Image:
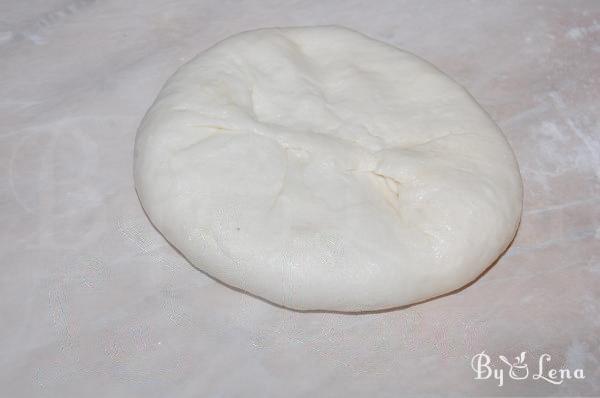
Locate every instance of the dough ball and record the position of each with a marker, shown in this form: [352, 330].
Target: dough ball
[323, 170]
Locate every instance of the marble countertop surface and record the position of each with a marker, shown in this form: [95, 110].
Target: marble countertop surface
[95, 303]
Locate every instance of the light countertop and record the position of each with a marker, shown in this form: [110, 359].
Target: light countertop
[94, 302]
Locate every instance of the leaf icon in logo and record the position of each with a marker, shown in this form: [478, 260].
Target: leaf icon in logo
[517, 370]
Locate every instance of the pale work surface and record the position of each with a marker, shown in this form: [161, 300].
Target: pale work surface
[94, 302]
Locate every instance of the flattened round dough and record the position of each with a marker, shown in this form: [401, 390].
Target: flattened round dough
[321, 169]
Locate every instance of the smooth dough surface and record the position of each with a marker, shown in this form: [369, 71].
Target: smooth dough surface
[321, 169]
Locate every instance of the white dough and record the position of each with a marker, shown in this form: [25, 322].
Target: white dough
[321, 169]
